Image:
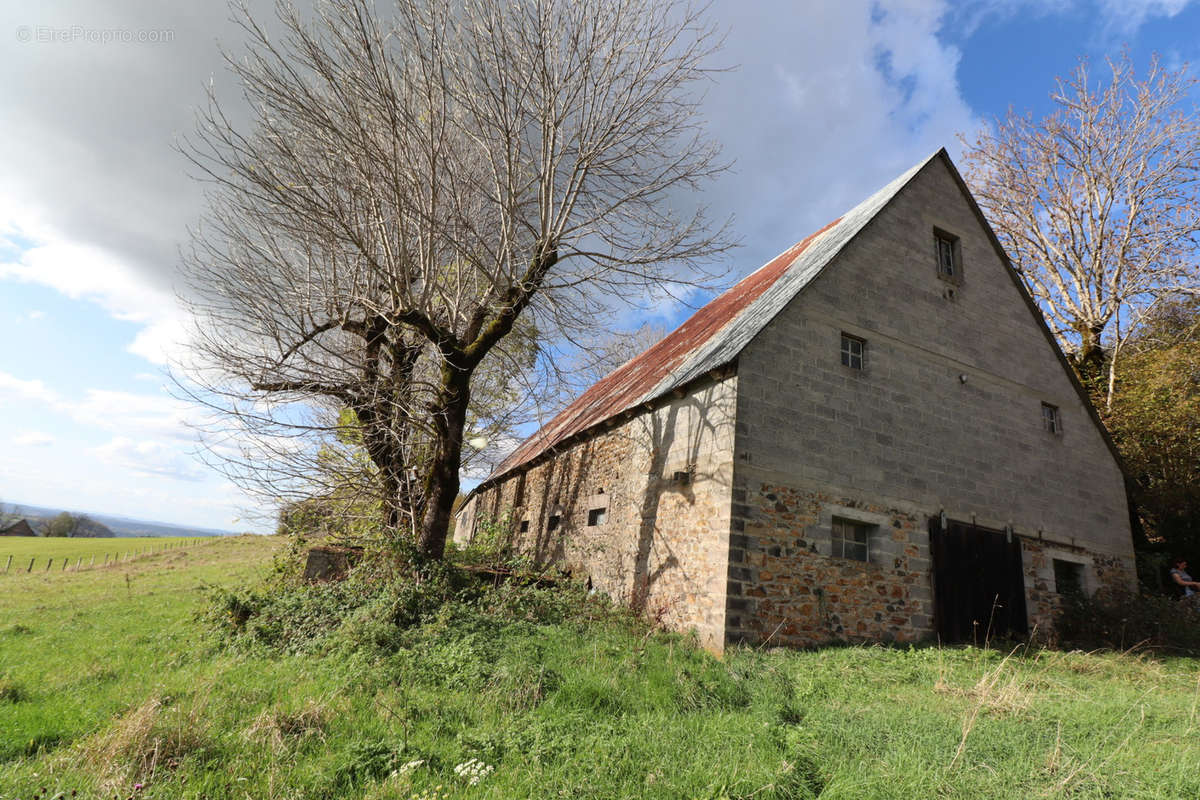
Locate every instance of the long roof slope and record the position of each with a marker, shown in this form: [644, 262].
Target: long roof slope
[713, 336]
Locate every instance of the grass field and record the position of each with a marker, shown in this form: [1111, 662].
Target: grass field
[107, 683]
[40, 548]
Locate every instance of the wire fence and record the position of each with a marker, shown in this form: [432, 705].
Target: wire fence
[17, 565]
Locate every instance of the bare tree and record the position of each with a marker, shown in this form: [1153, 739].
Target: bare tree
[609, 350]
[422, 198]
[1097, 203]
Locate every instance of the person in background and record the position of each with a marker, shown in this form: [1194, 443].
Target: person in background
[1179, 574]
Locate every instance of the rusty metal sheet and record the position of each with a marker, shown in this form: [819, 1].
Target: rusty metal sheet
[713, 336]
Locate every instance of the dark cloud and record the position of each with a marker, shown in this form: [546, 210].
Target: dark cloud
[827, 102]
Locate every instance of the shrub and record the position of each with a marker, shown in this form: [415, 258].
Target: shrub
[1120, 621]
[390, 594]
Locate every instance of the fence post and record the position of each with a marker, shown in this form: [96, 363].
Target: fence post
[9, 564]
[30, 567]
[64, 566]
[93, 560]
[48, 563]
[78, 561]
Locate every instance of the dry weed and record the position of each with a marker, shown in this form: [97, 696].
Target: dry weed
[998, 691]
[278, 728]
[152, 738]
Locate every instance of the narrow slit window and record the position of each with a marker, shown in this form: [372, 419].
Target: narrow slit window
[854, 351]
[948, 251]
[1051, 420]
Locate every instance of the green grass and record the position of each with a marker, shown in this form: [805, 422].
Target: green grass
[106, 680]
[40, 548]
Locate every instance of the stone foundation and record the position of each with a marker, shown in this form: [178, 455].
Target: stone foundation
[786, 588]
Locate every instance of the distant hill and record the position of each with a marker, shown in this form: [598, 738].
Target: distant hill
[110, 525]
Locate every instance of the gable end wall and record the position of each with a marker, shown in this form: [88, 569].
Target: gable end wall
[946, 415]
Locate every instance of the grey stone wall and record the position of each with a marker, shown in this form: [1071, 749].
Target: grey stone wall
[946, 414]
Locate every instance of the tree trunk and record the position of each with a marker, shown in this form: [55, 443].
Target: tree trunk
[441, 485]
[1089, 359]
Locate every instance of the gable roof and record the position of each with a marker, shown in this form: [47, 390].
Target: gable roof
[18, 528]
[713, 336]
[719, 331]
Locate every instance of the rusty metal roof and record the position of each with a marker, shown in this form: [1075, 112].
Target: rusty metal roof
[710, 338]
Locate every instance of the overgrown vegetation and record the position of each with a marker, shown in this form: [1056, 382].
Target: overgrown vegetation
[1126, 621]
[395, 598]
[522, 690]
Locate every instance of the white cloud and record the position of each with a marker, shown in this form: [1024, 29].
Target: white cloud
[1126, 16]
[33, 439]
[85, 272]
[32, 389]
[146, 415]
[149, 457]
[35, 314]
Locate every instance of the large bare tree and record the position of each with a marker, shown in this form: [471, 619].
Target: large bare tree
[426, 192]
[1097, 203]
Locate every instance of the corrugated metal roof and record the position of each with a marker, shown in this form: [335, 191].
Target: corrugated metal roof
[713, 336]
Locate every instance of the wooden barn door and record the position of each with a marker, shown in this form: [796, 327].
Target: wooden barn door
[978, 583]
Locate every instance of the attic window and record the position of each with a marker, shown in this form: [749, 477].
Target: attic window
[854, 351]
[1051, 420]
[949, 255]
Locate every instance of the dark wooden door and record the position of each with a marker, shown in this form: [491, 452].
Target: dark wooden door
[978, 583]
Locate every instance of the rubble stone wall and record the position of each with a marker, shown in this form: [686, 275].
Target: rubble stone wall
[656, 488]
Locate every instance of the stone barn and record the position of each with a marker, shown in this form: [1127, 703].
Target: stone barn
[874, 436]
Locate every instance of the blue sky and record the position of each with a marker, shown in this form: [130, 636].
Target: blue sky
[829, 101]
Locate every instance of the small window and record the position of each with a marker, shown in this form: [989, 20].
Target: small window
[1068, 577]
[552, 523]
[524, 527]
[597, 516]
[949, 256]
[1051, 420]
[851, 539]
[854, 351]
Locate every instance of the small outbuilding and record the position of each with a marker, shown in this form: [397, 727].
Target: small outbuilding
[20, 528]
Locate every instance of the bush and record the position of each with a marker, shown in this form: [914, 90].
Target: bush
[1121, 621]
[389, 599]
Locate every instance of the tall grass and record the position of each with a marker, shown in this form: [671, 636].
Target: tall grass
[113, 685]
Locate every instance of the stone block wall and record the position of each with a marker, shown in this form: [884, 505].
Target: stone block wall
[1043, 598]
[662, 478]
[947, 411]
[786, 588]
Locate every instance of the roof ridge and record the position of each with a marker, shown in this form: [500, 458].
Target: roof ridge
[713, 335]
